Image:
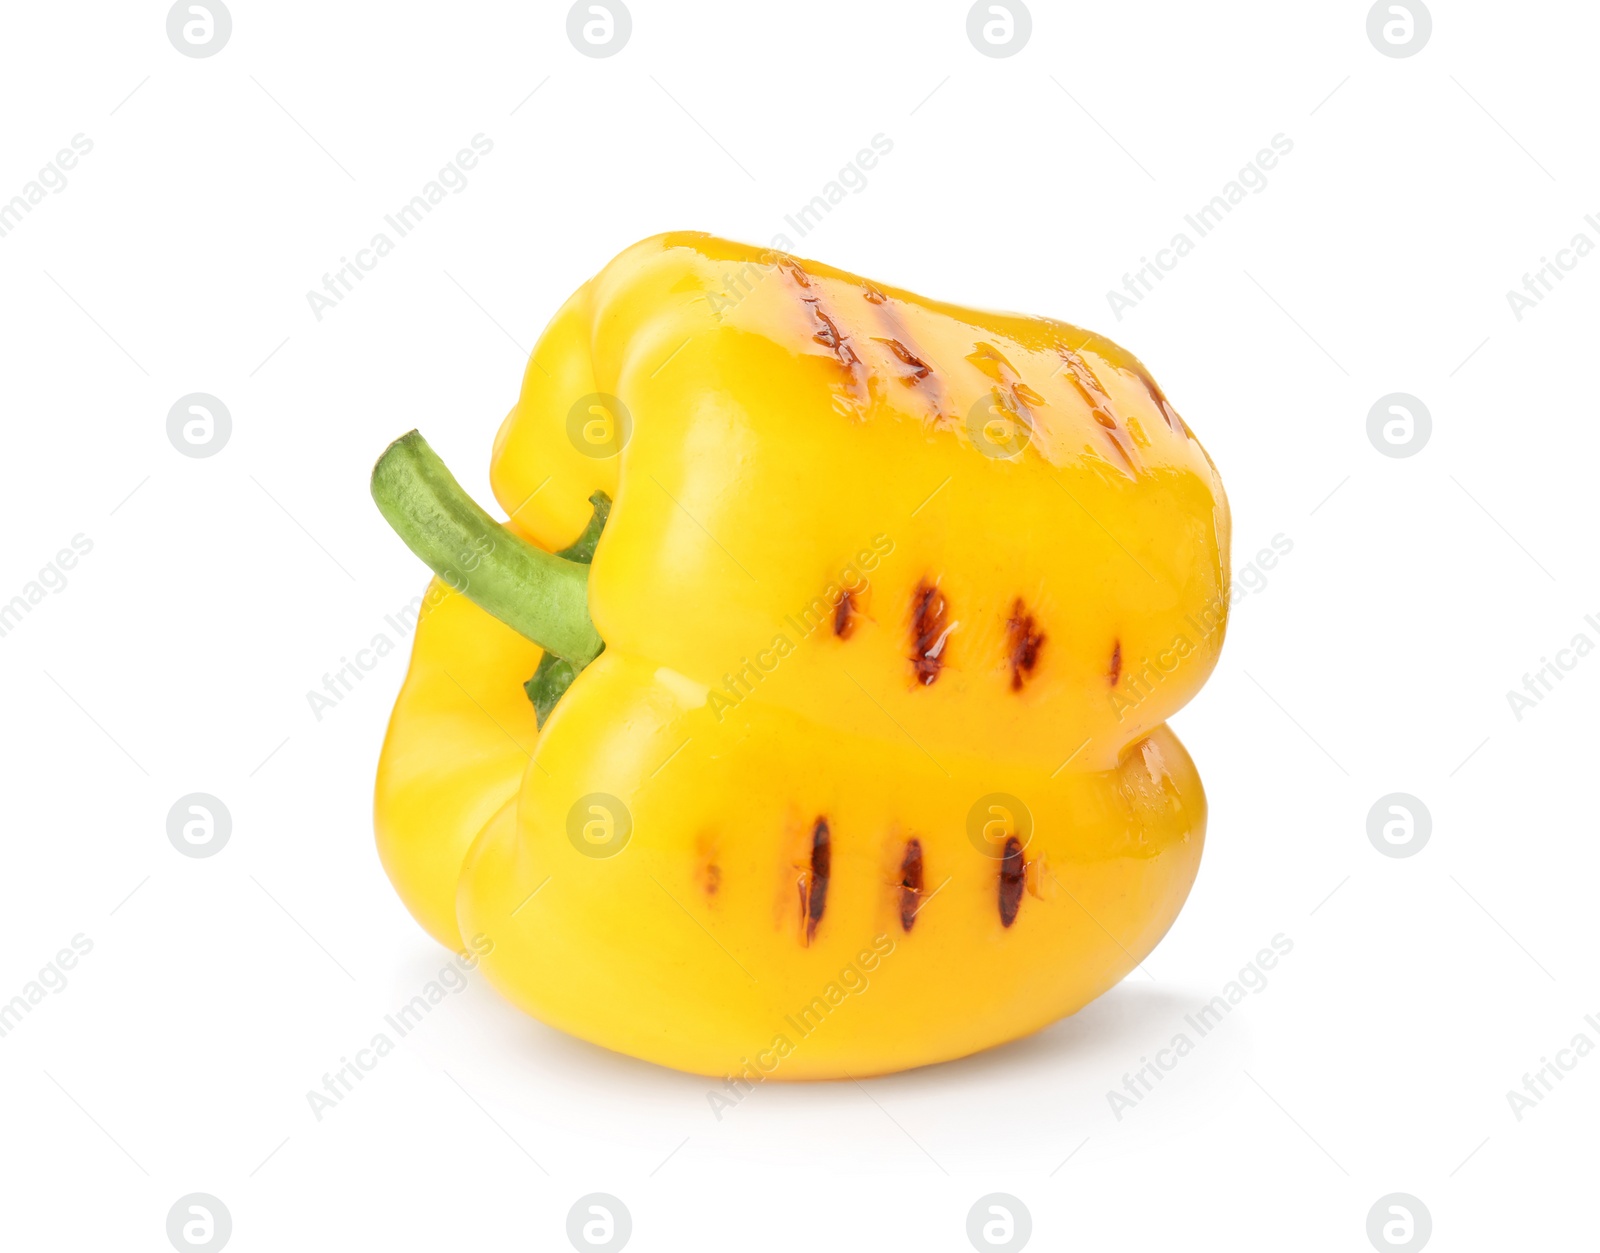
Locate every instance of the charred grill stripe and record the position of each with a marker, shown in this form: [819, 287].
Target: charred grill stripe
[1008, 405]
[1013, 876]
[829, 336]
[924, 379]
[825, 331]
[929, 610]
[844, 615]
[1162, 403]
[1013, 396]
[1116, 443]
[1116, 662]
[910, 883]
[919, 367]
[1025, 640]
[1088, 388]
[995, 365]
[992, 362]
[828, 333]
[816, 884]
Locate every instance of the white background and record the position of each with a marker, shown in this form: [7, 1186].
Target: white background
[1376, 659]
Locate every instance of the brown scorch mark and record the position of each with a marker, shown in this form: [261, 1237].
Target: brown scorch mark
[929, 610]
[919, 368]
[1013, 397]
[828, 335]
[844, 615]
[992, 362]
[814, 883]
[1026, 394]
[1162, 403]
[826, 332]
[1083, 379]
[910, 883]
[909, 364]
[1116, 662]
[1088, 387]
[1023, 642]
[1013, 877]
[712, 879]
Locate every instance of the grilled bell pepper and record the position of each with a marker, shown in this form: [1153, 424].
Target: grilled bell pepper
[864, 764]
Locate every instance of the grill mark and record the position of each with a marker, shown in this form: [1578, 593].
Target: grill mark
[814, 883]
[707, 870]
[827, 333]
[1024, 641]
[873, 295]
[910, 884]
[1116, 662]
[791, 267]
[1013, 876]
[1013, 395]
[921, 377]
[1088, 387]
[1006, 402]
[929, 631]
[1027, 395]
[992, 362]
[844, 615]
[1122, 452]
[919, 368]
[1160, 398]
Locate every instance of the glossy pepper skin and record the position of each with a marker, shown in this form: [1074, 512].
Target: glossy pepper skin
[896, 599]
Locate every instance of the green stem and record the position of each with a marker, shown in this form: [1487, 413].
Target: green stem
[540, 595]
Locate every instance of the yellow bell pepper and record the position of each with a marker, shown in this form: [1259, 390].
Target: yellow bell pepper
[894, 601]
